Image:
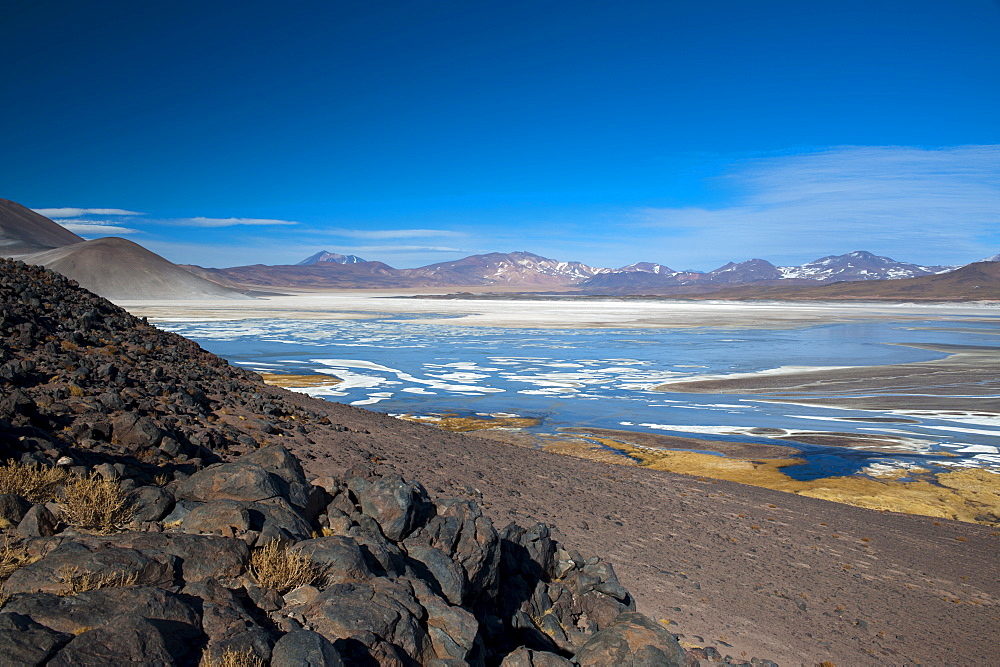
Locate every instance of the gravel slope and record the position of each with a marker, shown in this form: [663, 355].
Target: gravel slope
[794, 579]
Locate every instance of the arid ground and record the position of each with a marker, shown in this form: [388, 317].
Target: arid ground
[750, 570]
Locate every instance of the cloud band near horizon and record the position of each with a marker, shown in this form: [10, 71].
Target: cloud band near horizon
[938, 204]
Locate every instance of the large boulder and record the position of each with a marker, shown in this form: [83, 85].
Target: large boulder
[135, 432]
[222, 517]
[340, 558]
[453, 631]
[92, 609]
[385, 609]
[25, 642]
[73, 566]
[128, 639]
[230, 481]
[396, 505]
[151, 503]
[305, 648]
[434, 566]
[12, 509]
[199, 556]
[633, 639]
[525, 657]
[281, 463]
[462, 533]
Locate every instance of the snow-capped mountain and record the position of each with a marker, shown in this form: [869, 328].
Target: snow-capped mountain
[749, 271]
[858, 265]
[648, 267]
[509, 268]
[324, 256]
[854, 266]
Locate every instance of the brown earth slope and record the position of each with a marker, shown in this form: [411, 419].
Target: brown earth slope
[117, 268]
[23, 231]
[795, 579]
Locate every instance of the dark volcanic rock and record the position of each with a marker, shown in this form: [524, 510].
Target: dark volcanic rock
[12, 508]
[525, 657]
[305, 647]
[151, 503]
[386, 609]
[223, 517]
[229, 481]
[91, 609]
[25, 642]
[76, 564]
[133, 431]
[126, 639]
[340, 557]
[396, 505]
[632, 640]
[199, 557]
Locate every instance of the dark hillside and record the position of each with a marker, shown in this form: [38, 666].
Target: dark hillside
[151, 514]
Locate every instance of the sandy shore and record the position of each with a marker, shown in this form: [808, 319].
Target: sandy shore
[553, 314]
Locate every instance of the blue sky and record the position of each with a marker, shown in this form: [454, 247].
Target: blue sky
[688, 132]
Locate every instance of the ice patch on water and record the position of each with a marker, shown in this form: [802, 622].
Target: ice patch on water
[956, 429]
[979, 449]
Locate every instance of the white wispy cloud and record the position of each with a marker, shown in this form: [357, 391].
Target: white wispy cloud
[921, 204]
[68, 212]
[376, 234]
[87, 228]
[230, 222]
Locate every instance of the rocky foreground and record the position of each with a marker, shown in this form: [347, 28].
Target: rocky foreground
[150, 515]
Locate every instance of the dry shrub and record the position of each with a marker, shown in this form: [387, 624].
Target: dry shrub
[37, 483]
[231, 658]
[97, 504]
[12, 558]
[91, 581]
[274, 566]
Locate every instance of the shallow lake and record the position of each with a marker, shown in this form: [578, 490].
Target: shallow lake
[403, 364]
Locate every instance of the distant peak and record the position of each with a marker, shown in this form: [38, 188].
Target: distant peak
[332, 257]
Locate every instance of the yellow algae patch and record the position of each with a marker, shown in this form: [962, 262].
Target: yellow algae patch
[292, 381]
[606, 451]
[452, 422]
[971, 495]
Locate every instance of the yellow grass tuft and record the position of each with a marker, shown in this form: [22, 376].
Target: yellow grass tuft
[274, 566]
[36, 483]
[231, 658]
[96, 504]
[12, 558]
[91, 581]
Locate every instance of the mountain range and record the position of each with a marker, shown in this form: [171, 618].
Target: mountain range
[530, 272]
[120, 269]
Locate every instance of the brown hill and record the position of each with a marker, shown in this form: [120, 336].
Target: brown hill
[117, 268]
[23, 231]
[975, 282]
[322, 275]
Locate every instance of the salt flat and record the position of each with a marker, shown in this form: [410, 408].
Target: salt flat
[535, 313]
